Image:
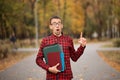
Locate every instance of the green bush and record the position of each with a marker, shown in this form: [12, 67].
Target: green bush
[117, 42]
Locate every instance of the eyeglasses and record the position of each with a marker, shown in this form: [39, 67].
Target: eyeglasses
[55, 24]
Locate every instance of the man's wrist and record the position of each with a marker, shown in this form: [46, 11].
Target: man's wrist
[83, 46]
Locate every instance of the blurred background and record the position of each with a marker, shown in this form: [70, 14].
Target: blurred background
[24, 22]
[96, 18]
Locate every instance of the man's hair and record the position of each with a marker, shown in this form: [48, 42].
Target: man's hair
[54, 17]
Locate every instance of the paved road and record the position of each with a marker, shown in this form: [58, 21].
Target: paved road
[89, 67]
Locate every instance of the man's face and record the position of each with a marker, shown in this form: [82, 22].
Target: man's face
[56, 26]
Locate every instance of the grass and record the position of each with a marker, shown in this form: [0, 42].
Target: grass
[112, 58]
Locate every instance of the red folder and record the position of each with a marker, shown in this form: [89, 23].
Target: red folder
[53, 59]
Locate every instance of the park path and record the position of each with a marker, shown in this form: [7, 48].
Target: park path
[89, 67]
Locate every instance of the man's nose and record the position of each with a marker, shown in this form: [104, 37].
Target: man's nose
[57, 25]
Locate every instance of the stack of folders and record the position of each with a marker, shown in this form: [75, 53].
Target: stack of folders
[54, 54]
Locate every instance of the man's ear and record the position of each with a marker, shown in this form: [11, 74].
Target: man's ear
[62, 26]
[50, 27]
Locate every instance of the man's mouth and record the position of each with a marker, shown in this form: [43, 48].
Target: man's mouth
[57, 29]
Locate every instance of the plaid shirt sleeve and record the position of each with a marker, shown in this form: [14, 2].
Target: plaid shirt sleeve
[39, 59]
[75, 54]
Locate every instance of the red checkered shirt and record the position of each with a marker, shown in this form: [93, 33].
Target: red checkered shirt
[69, 52]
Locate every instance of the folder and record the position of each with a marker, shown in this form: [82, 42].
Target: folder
[54, 54]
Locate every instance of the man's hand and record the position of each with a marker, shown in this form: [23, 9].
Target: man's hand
[82, 40]
[54, 69]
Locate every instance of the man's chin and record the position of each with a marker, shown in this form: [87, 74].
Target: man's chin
[57, 34]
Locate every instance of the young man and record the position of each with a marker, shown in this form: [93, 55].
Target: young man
[68, 48]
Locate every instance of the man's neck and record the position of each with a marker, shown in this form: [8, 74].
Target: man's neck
[58, 35]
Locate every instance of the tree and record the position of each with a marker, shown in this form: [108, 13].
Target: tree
[9, 17]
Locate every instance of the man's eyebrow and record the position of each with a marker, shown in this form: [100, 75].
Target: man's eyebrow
[57, 22]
